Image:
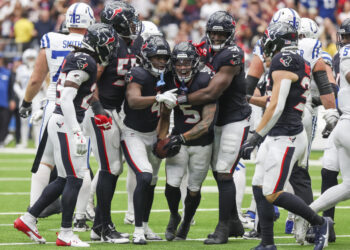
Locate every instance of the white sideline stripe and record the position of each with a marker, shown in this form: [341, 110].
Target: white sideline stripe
[5, 225]
[198, 239]
[160, 211]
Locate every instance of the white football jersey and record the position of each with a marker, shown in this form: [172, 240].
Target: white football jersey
[344, 91]
[23, 74]
[57, 47]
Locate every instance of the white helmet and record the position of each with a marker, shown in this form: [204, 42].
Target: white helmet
[149, 29]
[79, 15]
[287, 15]
[309, 28]
[29, 56]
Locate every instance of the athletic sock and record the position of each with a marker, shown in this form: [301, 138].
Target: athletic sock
[69, 200]
[173, 196]
[130, 187]
[297, 206]
[148, 203]
[266, 212]
[105, 190]
[329, 179]
[143, 182]
[191, 205]
[39, 181]
[83, 196]
[49, 195]
[239, 179]
[227, 204]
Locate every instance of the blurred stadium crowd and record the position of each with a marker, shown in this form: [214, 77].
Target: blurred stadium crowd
[24, 22]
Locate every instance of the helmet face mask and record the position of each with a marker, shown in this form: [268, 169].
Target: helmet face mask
[123, 17]
[343, 34]
[79, 15]
[220, 25]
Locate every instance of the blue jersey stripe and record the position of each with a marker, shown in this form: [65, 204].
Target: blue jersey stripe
[315, 49]
[42, 43]
[48, 41]
[74, 11]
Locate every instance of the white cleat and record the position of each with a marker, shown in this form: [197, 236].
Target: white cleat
[29, 228]
[71, 240]
[139, 239]
[247, 222]
[129, 219]
[300, 229]
[150, 235]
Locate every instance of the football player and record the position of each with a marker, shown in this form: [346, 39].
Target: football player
[223, 56]
[75, 87]
[141, 109]
[194, 131]
[54, 48]
[148, 29]
[103, 121]
[286, 142]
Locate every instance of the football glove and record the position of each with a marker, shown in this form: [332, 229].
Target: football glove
[36, 117]
[168, 98]
[174, 145]
[199, 49]
[102, 119]
[249, 145]
[26, 109]
[80, 143]
[331, 116]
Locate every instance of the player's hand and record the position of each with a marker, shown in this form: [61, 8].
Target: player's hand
[80, 143]
[168, 98]
[26, 109]
[36, 117]
[248, 147]
[174, 145]
[103, 122]
[331, 116]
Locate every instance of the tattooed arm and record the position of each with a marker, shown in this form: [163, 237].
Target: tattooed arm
[202, 127]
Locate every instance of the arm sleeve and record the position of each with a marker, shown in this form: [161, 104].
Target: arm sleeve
[322, 82]
[67, 96]
[281, 102]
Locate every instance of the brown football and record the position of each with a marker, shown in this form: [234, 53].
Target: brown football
[160, 151]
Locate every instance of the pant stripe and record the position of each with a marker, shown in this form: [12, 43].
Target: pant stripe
[128, 158]
[101, 146]
[244, 137]
[65, 154]
[287, 158]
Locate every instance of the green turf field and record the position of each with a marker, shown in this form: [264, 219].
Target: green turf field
[14, 199]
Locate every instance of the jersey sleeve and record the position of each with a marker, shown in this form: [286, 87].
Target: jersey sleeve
[135, 75]
[310, 50]
[327, 58]
[46, 40]
[232, 56]
[284, 61]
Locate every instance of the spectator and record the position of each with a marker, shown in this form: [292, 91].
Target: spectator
[24, 30]
[7, 104]
[44, 25]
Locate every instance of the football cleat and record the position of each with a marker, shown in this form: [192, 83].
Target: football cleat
[129, 219]
[150, 235]
[71, 240]
[300, 228]
[139, 239]
[332, 236]
[182, 232]
[267, 247]
[289, 226]
[249, 214]
[30, 229]
[252, 235]
[95, 233]
[235, 228]
[80, 225]
[310, 235]
[110, 235]
[90, 211]
[172, 226]
[321, 234]
[246, 222]
[220, 236]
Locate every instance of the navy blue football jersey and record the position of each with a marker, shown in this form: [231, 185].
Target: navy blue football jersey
[233, 105]
[111, 85]
[186, 116]
[84, 62]
[290, 122]
[143, 120]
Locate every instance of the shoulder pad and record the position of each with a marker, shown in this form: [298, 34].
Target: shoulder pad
[285, 61]
[232, 55]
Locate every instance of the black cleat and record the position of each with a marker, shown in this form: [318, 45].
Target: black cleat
[267, 247]
[332, 236]
[172, 226]
[310, 235]
[236, 228]
[251, 235]
[96, 233]
[182, 232]
[53, 208]
[110, 235]
[80, 225]
[220, 236]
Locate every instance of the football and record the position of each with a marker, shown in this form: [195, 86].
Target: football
[159, 150]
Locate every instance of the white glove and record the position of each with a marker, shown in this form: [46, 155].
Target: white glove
[331, 116]
[80, 143]
[36, 117]
[168, 98]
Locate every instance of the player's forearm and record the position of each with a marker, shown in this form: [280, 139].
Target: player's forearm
[141, 102]
[203, 126]
[258, 101]
[328, 101]
[32, 90]
[164, 123]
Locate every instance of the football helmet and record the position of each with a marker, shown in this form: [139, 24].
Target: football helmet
[123, 17]
[29, 56]
[79, 15]
[185, 61]
[221, 21]
[278, 36]
[155, 46]
[344, 29]
[63, 28]
[287, 15]
[100, 39]
[149, 29]
[308, 28]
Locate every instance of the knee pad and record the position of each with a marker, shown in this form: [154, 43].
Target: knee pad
[144, 178]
